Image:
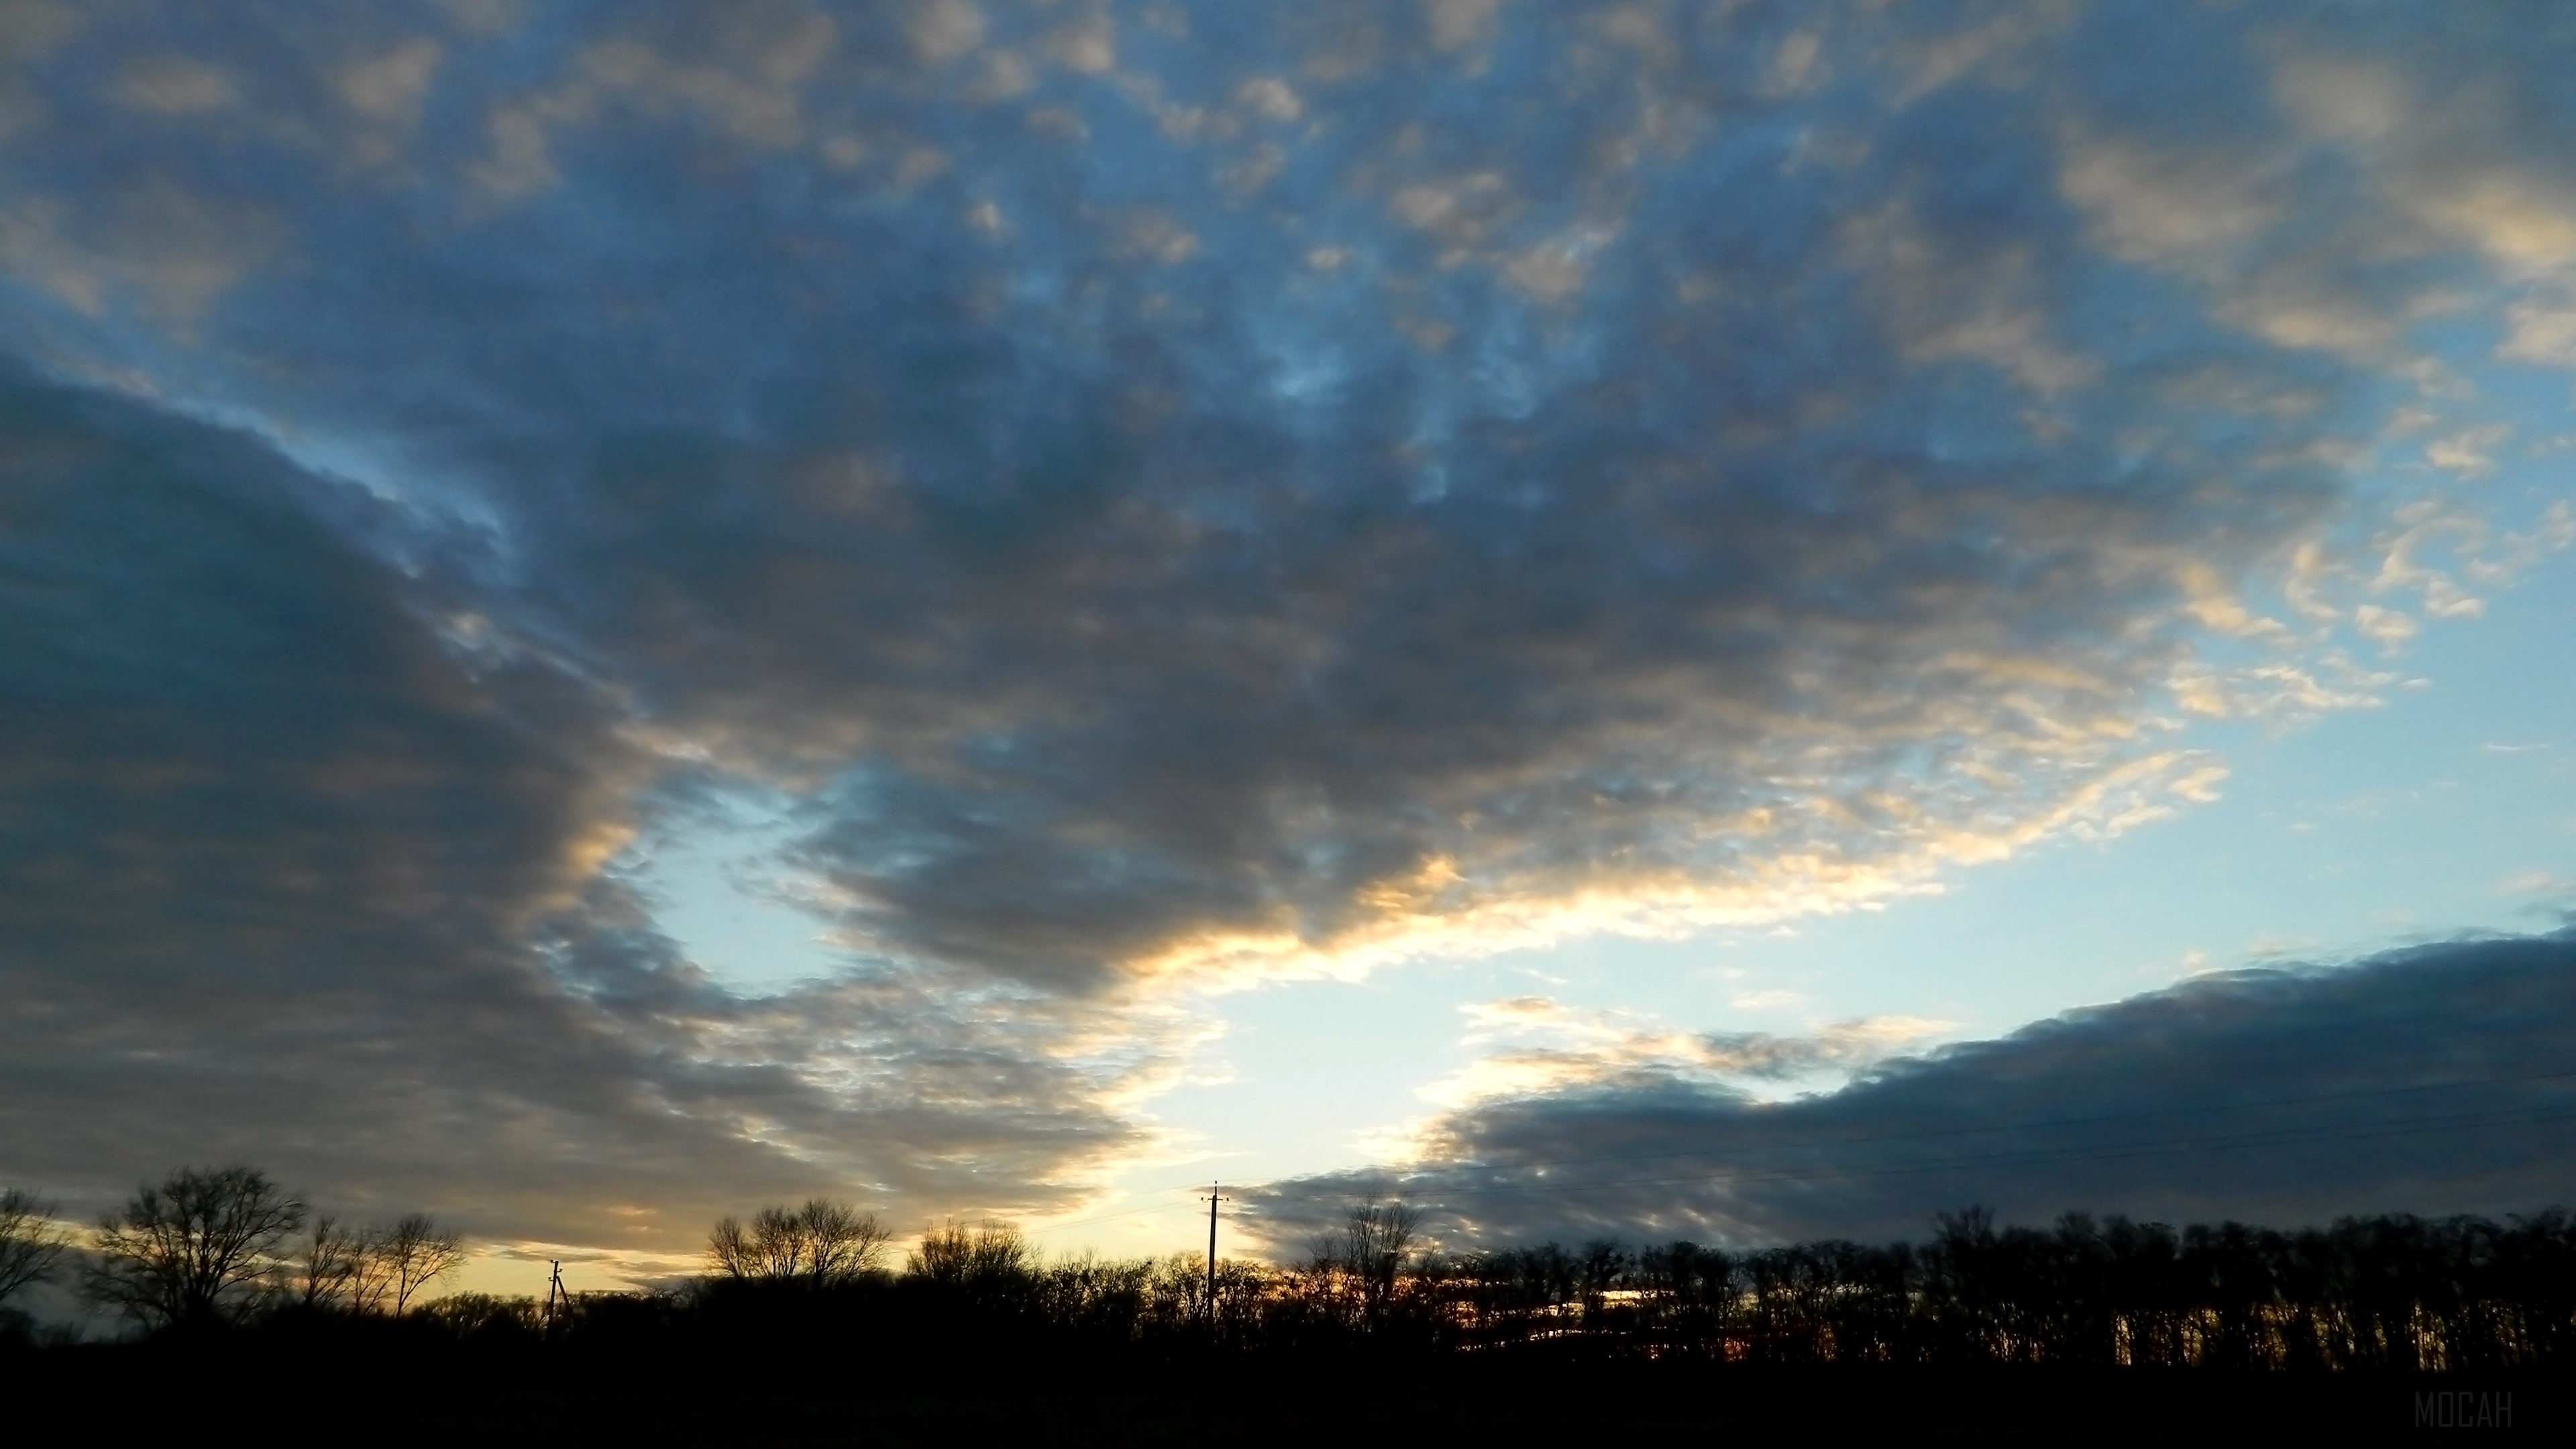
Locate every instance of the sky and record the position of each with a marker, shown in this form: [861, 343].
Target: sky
[1716, 620]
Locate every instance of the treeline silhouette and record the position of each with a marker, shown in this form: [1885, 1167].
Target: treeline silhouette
[806, 1319]
[207, 1249]
[227, 1248]
[2390, 1293]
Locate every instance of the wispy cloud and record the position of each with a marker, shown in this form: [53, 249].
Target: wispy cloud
[1533, 1045]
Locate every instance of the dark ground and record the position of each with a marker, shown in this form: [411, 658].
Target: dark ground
[123, 1397]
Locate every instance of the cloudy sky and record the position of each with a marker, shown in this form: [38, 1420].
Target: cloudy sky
[1704, 619]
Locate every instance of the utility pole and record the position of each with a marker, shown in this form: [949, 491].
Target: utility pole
[1213, 1199]
[556, 1293]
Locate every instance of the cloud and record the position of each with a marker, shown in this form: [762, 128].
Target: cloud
[1548, 1047]
[176, 86]
[2433, 1080]
[1168, 506]
[287, 876]
[1121, 614]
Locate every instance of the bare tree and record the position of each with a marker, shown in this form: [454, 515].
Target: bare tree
[30, 1241]
[195, 1249]
[821, 1242]
[778, 1243]
[1376, 1240]
[991, 1251]
[371, 1272]
[842, 1241]
[1319, 1277]
[413, 1251]
[730, 1251]
[326, 1272]
[773, 1246]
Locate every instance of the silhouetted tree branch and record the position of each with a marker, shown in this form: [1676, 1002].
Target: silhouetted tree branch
[327, 1268]
[822, 1242]
[1376, 1241]
[193, 1250]
[842, 1241]
[990, 1252]
[414, 1251]
[30, 1242]
[371, 1272]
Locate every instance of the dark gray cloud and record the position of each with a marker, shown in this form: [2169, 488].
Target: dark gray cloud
[2435, 1079]
[1171, 488]
[1139, 557]
[1168, 493]
[286, 876]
